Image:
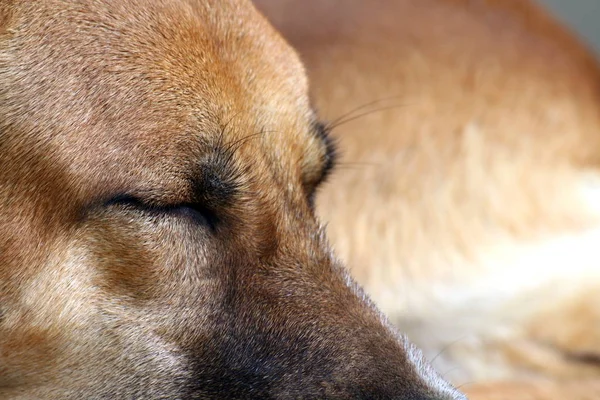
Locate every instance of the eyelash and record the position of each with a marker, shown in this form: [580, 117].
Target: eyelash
[311, 198]
[331, 152]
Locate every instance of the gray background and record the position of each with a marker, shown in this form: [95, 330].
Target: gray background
[582, 15]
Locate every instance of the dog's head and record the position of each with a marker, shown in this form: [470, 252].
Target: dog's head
[157, 239]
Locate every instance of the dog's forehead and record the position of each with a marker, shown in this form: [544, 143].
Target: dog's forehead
[191, 52]
[147, 79]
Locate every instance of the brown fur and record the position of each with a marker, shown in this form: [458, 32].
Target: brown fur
[157, 161]
[466, 198]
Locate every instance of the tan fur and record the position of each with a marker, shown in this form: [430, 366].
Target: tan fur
[157, 238]
[466, 201]
[557, 390]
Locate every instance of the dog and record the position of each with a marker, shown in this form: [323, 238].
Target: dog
[158, 237]
[467, 202]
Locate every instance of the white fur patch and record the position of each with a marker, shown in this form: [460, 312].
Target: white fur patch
[455, 323]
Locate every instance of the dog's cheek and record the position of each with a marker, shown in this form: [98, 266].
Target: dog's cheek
[69, 330]
[123, 262]
[142, 258]
[150, 292]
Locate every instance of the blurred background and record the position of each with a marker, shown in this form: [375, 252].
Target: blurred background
[582, 15]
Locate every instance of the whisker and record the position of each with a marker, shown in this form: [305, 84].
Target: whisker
[446, 347]
[334, 125]
[358, 164]
[351, 167]
[362, 107]
[224, 129]
[450, 370]
[236, 144]
[465, 384]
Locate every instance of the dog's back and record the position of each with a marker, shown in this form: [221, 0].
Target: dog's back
[468, 198]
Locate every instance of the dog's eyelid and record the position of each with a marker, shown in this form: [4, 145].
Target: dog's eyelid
[142, 198]
[195, 211]
[123, 199]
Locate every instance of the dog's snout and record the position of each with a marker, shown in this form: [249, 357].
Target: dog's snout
[312, 338]
[400, 371]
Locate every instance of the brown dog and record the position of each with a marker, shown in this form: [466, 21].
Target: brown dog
[157, 239]
[471, 212]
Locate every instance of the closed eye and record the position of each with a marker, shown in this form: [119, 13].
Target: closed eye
[194, 212]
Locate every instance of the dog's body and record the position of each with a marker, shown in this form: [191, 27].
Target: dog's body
[471, 213]
[157, 239]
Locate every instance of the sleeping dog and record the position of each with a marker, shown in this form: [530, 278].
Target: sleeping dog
[158, 239]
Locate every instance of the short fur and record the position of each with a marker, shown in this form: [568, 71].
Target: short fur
[156, 236]
[467, 202]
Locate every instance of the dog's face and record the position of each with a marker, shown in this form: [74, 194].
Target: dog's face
[157, 240]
